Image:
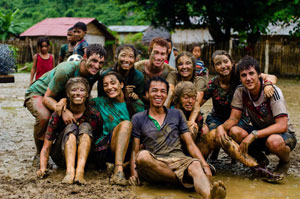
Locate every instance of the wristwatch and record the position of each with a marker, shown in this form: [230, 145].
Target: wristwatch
[255, 133]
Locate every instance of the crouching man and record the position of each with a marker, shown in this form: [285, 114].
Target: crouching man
[270, 131]
[73, 139]
[160, 131]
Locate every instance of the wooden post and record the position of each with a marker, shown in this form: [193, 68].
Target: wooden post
[31, 48]
[267, 57]
[230, 47]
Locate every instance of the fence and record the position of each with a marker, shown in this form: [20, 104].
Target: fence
[284, 58]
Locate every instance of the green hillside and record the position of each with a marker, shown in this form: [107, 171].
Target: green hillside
[106, 11]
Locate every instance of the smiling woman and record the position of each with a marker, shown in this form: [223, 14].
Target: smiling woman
[133, 79]
[116, 109]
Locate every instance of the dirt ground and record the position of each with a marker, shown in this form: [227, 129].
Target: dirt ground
[17, 175]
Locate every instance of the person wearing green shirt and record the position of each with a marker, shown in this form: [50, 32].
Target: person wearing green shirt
[47, 93]
[116, 109]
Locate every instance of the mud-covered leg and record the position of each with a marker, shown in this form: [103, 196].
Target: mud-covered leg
[119, 145]
[82, 155]
[70, 155]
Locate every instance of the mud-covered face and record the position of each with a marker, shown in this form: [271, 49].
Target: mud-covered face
[112, 87]
[44, 48]
[250, 79]
[185, 67]
[94, 63]
[79, 34]
[187, 101]
[157, 57]
[223, 65]
[126, 59]
[77, 93]
[157, 93]
[197, 52]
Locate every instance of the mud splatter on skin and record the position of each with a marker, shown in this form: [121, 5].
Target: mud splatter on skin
[18, 178]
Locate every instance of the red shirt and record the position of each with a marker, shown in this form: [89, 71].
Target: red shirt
[43, 65]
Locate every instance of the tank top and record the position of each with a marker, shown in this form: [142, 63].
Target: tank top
[43, 65]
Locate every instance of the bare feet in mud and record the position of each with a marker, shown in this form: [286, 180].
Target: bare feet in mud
[218, 191]
[282, 168]
[69, 178]
[79, 178]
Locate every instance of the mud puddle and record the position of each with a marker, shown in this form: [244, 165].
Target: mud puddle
[237, 188]
[18, 179]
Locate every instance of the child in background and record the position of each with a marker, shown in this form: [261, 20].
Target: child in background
[42, 61]
[79, 33]
[66, 50]
[200, 69]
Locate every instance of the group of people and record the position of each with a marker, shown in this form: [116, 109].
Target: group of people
[148, 113]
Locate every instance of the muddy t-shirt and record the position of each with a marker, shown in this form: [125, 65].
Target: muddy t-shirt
[57, 78]
[141, 67]
[221, 98]
[264, 110]
[198, 81]
[113, 112]
[163, 142]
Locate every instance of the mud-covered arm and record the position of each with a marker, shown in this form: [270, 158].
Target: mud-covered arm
[44, 157]
[196, 109]
[269, 80]
[170, 96]
[134, 179]
[33, 69]
[52, 104]
[195, 152]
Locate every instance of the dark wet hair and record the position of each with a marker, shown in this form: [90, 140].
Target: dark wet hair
[246, 63]
[156, 79]
[221, 52]
[41, 40]
[118, 76]
[128, 100]
[80, 25]
[159, 41]
[71, 29]
[124, 46]
[95, 48]
[194, 46]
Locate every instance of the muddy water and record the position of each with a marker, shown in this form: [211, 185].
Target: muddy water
[18, 180]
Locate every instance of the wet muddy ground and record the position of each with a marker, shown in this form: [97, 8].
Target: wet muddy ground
[18, 179]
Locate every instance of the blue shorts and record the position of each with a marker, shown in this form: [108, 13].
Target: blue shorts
[213, 121]
[260, 144]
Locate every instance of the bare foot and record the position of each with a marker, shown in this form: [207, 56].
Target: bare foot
[79, 178]
[69, 178]
[218, 190]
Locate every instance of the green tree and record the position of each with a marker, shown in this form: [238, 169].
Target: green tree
[246, 17]
[8, 25]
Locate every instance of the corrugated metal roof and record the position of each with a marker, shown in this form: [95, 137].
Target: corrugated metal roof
[280, 29]
[54, 26]
[128, 28]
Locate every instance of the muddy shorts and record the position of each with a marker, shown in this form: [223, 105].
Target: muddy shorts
[213, 121]
[260, 144]
[102, 153]
[178, 165]
[33, 102]
[58, 148]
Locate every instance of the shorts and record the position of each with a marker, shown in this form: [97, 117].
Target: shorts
[260, 144]
[178, 165]
[213, 121]
[57, 152]
[102, 152]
